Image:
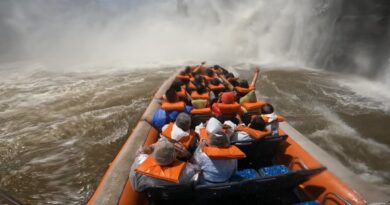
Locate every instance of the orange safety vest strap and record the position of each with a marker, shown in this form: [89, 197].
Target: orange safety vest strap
[207, 78]
[253, 105]
[229, 108]
[231, 152]
[201, 111]
[257, 134]
[203, 134]
[216, 87]
[183, 77]
[168, 173]
[196, 95]
[182, 92]
[186, 141]
[244, 90]
[192, 86]
[173, 106]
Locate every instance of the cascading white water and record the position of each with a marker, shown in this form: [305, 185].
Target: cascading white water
[51, 120]
[140, 32]
[328, 34]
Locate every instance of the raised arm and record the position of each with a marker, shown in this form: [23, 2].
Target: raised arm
[230, 86]
[254, 80]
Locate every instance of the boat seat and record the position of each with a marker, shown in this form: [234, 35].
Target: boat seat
[252, 186]
[281, 181]
[169, 192]
[197, 119]
[259, 152]
[218, 190]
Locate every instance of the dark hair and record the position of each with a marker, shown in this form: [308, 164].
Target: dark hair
[200, 88]
[257, 123]
[244, 84]
[215, 82]
[176, 85]
[187, 70]
[171, 95]
[198, 78]
[229, 75]
[209, 72]
[267, 109]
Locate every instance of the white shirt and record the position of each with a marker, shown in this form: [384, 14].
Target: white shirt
[214, 170]
[177, 133]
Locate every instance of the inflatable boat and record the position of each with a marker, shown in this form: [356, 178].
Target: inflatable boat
[292, 170]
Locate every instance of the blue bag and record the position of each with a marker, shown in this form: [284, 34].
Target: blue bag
[273, 170]
[246, 173]
[159, 118]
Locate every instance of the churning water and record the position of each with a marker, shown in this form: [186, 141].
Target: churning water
[76, 76]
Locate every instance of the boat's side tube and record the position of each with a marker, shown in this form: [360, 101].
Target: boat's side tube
[113, 182]
[300, 147]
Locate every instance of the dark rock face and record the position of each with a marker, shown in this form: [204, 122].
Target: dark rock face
[360, 38]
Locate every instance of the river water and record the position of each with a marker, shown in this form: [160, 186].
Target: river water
[60, 130]
[75, 76]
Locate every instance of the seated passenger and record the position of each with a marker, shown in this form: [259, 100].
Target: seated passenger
[271, 119]
[232, 80]
[243, 88]
[200, 92]
[255, 130]
[226, 107]
[172, 102]
[209, 75]
[179, 131]
[217, 158]
[180, 89]
[160, 168]
[196, 82]
[171, 95]
[219, 70]
[216, 86]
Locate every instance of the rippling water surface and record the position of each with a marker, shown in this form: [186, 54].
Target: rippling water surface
[59, 131]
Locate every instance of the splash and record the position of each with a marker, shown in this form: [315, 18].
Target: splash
[128, 33]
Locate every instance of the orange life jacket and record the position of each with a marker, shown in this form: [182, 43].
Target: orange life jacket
[192, 86]
[195, 95]
[173, 106]
[201, 111]
[231, 152]
[257, 134]
[216, 87]
[242, 90]
[182, 77]
[253, 105]
[186, 141]
[169, 173]
[234, 108]
[182, 92]
[203, 134]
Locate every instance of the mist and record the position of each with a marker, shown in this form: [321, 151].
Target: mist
[344, 36]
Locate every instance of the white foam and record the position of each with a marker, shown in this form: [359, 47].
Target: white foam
[377, 94]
